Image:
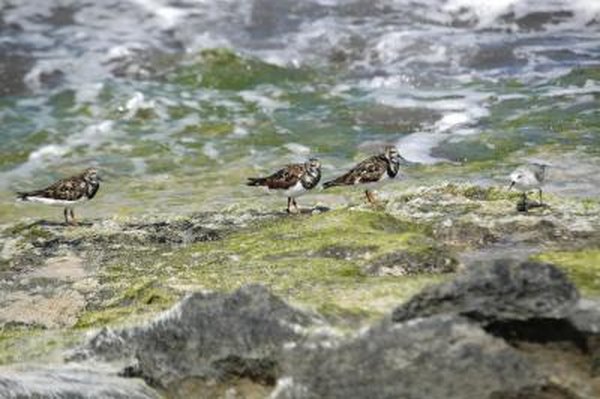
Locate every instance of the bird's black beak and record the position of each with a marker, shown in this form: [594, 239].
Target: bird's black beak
[512, 183]
[99, 178]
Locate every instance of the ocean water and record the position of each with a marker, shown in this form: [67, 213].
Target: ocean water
[178, 101]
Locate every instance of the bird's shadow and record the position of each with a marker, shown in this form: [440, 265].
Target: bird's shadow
[525, 206]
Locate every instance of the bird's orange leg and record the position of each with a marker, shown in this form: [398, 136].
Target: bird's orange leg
[73, 220]
[370, 197]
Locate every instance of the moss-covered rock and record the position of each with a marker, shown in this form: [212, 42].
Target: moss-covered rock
[352, 264]
[132, 268]
[225, 70]
[582, 266]
[468, 216]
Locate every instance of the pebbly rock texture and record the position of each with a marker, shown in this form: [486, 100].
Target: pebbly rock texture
[26, 245]
[503, 291]
[472, 216]
[438, 357]
[520, 302]
[503, 330]
[585, 318]
[208, 336]
[56, 276]
[507, 330]
[69, 383]
[404, 263]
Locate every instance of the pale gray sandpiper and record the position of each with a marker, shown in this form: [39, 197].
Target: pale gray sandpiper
[371, 172]
[68, 193]
[292, 181]
[527, 178]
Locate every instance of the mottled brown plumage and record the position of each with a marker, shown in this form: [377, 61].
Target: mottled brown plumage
[291, 181]
[282, 179]
[66, 192]
[372, 170]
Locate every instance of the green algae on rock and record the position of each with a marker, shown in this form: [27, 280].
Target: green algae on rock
[582, 266]
[140, 267]
[351, 264]
[466, 215]
[225, 70]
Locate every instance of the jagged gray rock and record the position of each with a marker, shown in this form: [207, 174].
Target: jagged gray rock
[586, 320]
[443, 357]
[502, 291]
[69, 383]
[457, 340]
[211, 336]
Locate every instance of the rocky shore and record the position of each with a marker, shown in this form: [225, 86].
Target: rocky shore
[446, 292]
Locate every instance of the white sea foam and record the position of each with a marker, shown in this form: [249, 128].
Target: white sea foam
[416, 147]
[446, 56]
[48, 152]
[210, 150]
[265, 101]
[486, 12]
[51, 154]
[91, 137]
[240, 131]
[136, 103]
[167, 16]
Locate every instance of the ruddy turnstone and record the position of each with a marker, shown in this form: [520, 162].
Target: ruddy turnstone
[292, 181]
[528, 177]
[67, 193]
[371, 172]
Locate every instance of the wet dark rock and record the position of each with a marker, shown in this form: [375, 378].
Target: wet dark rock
[505, 330]
[538, 20]
[523, 303]
[494, 56]
[586, 319]
[504, 291]
[390, 119]
[62, 16]
[268, 18]
[439, 357]
[210, 336]
[51, 78]
[14, 66]
[69, 383]
[403, 263]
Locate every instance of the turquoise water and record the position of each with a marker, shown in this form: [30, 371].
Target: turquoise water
[177, 102]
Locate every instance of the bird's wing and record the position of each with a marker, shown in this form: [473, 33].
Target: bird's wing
[368, 171]
[285, 178]
[69, 189]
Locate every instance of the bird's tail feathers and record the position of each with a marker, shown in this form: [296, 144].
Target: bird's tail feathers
[331, 183]
[22, 196]
[255, 181]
